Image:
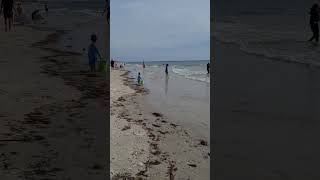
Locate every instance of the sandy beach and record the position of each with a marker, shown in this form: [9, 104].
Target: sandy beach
[53, 113]
[146, 144]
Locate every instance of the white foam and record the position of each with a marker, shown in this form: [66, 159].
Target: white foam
[270, 40]
[199, 75]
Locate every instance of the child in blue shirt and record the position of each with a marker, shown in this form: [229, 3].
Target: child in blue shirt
[92, 53]
[139, 78]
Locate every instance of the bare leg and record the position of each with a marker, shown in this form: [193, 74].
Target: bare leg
[10, 21]
[5, 24]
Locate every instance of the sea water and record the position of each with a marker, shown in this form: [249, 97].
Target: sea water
[183, 95]
[277, 30]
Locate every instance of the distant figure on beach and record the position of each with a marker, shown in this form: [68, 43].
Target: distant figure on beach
[167, 68]
[208, 68]
[36, 15]
[112, 63]
[139, 78]
[92, 53]
[46, 7]
[106, 11]
[143, 65]
[19, 10]
[7, 7]
[314, 19]
[19, 16]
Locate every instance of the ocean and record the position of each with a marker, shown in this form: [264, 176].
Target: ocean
[277, 30]
[183, 95]
[266, 93]
[193, 70]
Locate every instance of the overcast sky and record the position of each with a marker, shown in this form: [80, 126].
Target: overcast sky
[160, 29]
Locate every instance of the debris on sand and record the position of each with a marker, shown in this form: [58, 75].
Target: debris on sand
[121, 99]
[172, 169]
[155, 152]
[174, 125]
[203, 142]
[157, 114]
[138, 121]
[151, 135]
[155, 125]
[192, 165]
[163, 132]
[125, 128]
[142, 173]
[155, 162]
[123, 176]
[155, 149]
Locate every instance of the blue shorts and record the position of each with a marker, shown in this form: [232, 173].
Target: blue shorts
[92, 62]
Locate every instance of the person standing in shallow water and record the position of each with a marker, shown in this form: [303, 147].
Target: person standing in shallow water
[167, 68]
[92, 53]
[106, 11]
[7, 7]
[46, 7]
[314, 19]
[208, 68]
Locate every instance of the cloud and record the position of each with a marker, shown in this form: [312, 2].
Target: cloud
[160, 30]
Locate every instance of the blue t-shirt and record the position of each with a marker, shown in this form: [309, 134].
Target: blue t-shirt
[92, 53]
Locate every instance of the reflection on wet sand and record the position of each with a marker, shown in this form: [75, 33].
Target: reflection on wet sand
[166, 83]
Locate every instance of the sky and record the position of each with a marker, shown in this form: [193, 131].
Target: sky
[155, 30]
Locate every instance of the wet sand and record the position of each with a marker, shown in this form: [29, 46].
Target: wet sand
[53, 113]
[146, 144]
[265, 123]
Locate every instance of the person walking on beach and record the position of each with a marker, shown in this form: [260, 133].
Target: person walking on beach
[19, 10]
[143, 65]
[7, 7]
[314, 19]
[92, 53]
[139, 78]
[46, 7]
[167, 68]
[106, 11]
[35, 15]
[208, 68]
[112, 63]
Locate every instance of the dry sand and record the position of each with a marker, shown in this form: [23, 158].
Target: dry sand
[147, 145]
[53, 112]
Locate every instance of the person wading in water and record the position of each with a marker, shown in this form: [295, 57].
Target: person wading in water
[7, 7]
[314, 19]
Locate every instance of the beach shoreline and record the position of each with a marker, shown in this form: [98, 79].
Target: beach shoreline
[168, 150]
[54, 123]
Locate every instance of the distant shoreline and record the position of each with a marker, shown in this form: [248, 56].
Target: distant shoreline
[148, 61]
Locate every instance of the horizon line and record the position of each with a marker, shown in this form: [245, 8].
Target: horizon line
[163, 60]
